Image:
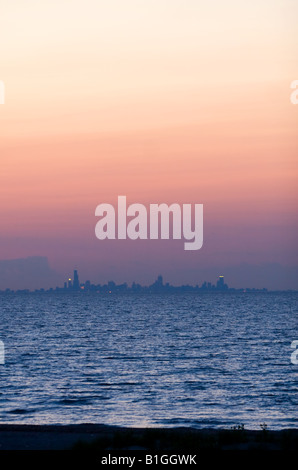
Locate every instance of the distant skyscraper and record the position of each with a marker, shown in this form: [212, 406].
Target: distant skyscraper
[221, 283]
[76, 283]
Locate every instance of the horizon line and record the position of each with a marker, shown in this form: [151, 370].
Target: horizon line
[73, 285]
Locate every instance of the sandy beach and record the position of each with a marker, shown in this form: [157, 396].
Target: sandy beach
[89, 437]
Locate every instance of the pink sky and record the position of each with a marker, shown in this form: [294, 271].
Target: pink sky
[162, 102]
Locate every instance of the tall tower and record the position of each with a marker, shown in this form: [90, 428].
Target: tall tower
[221, 282]
[76, 283]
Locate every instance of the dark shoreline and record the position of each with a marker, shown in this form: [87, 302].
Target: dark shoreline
[105, 438]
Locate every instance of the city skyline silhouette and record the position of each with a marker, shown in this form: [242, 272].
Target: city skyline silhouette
[73, 285]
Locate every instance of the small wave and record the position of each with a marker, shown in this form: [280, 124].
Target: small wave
[194, 423]
[74, 401]
[21, 411]
[192, 385]
[81, 401]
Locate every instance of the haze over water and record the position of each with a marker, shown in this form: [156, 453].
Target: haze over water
[200, 360]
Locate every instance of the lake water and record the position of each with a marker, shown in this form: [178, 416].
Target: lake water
[200, 360]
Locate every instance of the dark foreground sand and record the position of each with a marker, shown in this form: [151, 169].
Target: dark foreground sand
[95, 437]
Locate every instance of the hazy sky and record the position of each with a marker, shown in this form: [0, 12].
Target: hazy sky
[161, 101]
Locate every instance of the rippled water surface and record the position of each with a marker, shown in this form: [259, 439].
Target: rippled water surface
[201, 360]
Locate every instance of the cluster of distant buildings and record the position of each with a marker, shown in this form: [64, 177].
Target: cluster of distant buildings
[73, 285]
